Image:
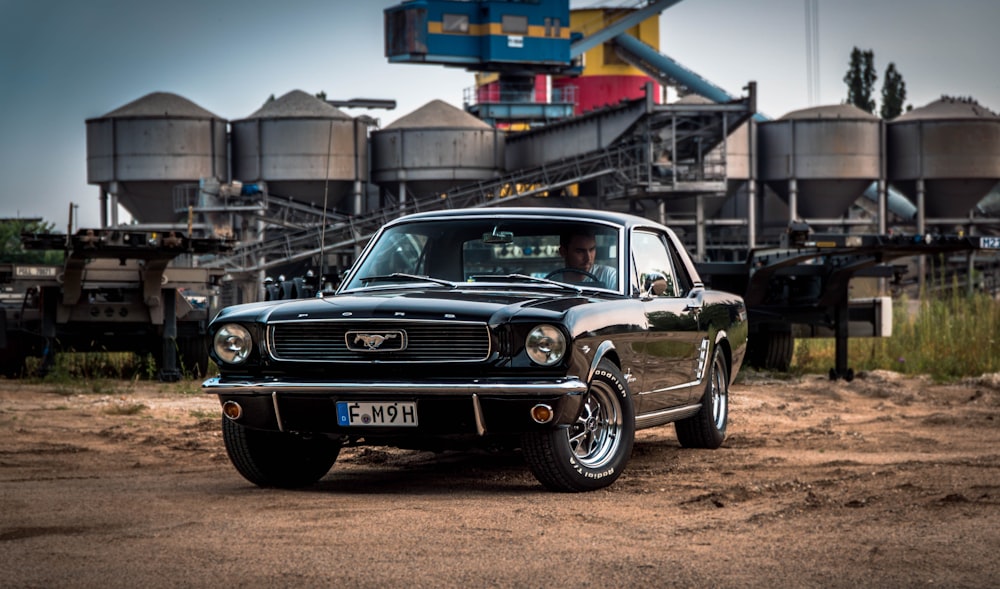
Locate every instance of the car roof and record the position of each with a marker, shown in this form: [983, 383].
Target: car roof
[551, 213]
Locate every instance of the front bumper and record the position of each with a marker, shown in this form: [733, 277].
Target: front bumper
[444, 407]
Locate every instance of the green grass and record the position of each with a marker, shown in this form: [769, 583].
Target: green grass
[203, 415]
[125, 409]
[950, 336]
[105, 372]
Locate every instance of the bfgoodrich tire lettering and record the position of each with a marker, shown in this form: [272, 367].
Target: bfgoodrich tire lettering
[707, 428]
[591, 453]
[278, 459]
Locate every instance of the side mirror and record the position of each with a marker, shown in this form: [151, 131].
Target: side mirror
[654, 284]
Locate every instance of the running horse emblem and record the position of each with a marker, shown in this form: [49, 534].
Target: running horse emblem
[372, 341]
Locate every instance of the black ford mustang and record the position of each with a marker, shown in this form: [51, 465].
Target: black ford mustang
[561, 331]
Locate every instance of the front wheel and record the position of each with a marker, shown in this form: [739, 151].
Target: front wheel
[592, 452]
[278, 459]
[707, 428]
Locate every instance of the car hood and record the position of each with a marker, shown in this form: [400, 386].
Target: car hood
[416, 304]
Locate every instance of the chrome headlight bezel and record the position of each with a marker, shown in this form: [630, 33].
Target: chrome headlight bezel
[545, 345]
[232, 343]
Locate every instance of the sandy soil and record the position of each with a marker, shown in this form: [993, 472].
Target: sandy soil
[885, 481]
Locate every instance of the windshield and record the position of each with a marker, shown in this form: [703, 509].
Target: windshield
[579, 254]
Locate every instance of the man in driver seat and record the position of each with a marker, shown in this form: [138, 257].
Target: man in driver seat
[579, 251]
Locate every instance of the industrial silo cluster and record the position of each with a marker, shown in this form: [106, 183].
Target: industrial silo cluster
[936, 164]
[297, 146]
[810, 164]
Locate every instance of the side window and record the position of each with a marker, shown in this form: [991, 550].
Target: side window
[514, 24]
[654, 264]
[455, 23]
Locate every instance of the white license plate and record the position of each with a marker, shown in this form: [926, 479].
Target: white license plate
[368, 414]
[989, 243]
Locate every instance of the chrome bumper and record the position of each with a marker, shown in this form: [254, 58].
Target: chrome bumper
[478, 392]
[485, 386]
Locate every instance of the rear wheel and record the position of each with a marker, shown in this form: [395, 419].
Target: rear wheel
[278, 459]
[192, 353]
[771, 350]
[707, 428]
[12, 361]
[592, 452]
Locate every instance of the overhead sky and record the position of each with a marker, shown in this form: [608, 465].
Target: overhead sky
[64, 61]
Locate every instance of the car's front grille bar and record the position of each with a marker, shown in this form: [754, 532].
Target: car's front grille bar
[403, 341]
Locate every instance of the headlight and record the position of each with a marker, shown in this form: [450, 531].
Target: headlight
[545, 345]
[232, 343]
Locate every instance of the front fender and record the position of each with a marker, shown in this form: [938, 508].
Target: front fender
[603, 350]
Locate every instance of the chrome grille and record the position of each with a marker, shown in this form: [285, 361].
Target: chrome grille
[430, 341]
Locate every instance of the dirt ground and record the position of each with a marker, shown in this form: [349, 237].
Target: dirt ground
[884, 481]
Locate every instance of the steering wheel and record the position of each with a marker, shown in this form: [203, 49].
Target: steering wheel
[574, 271]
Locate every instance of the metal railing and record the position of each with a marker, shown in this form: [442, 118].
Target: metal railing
[355, 230]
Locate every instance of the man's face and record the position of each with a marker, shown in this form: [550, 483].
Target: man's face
[580, 252]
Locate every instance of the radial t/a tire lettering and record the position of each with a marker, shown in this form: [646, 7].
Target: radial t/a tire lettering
[707, 428]
[592, 452]
[278, 459]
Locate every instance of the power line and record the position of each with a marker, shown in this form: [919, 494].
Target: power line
[812, 51]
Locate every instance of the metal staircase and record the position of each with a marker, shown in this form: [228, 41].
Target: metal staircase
[354, 231]
[639, 150]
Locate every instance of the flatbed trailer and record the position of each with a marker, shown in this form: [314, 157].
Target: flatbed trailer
[117, 290]
[804, 283]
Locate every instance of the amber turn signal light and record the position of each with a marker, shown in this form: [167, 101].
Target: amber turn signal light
[542, 413]
[232, 410]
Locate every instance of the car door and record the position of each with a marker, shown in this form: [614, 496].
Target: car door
[675, 343]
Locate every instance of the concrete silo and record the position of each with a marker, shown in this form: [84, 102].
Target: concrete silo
[303, 148]
[138, 153]
[946, 154]
[434, 149]
[820, 160]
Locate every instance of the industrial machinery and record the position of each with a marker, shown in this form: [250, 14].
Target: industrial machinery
[569, 112]
[770, 204]
[118, 290]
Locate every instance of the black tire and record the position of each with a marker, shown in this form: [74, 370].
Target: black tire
[592, 453]
[12, 362]
[771, 350]
[707, 428]
[192, 355]
[278, 459]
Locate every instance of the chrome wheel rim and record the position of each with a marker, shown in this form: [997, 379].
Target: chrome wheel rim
[596, 435]
[720, 395]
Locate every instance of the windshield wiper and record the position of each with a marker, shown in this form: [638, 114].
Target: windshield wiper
[408, 277]
[499, 277]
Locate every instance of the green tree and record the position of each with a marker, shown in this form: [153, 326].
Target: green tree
[860, 80]
[11, 249]
[893, 93]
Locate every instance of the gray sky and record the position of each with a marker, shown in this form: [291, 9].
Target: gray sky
[64, 61]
